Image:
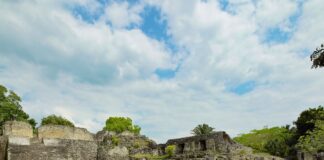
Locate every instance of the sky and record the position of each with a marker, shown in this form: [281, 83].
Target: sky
[236, 65]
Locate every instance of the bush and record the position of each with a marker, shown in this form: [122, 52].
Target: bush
[121, 124]
[115, 140]
[170, 150]
[56, 120]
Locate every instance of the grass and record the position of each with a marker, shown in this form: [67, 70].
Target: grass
[149, 156]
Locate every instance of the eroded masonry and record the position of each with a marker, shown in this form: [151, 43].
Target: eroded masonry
[52, 142]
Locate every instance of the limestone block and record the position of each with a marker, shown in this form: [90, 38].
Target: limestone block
[64, 132]
[51, 142]
[3, 147]
[17, 129]
[19, 140]
[118, 151]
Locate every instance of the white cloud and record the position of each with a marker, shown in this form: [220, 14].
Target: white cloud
[270, 13]
[122, 14]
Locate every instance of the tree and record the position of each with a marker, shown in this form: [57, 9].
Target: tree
[306, 120]
[121, 124]
[56, 120]
[10, 108]
[318, 57]
[273, 140]
[313, 142]
[202, 129]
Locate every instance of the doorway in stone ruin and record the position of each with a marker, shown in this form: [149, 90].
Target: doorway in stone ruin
[203, 145]
[181, 147]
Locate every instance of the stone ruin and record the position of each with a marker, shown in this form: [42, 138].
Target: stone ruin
[53, 142]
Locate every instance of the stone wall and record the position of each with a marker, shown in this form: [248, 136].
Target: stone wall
[215, 142]
[60, 150]
[17, 129]
[3, 147]
[64, 132]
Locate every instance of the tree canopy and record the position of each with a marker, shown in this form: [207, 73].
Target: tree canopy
[306, 120]
[56, 120]
[318, 57]
[313, 142]
[271, 140]
[307, 135]
[202, 129]
[121, 124]
[11, 109]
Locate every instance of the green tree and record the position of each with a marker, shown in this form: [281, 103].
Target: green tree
[202, 129]
[273, 140]
[56, 120]
[10, 108]
[306, 120]
[121, 124]
[313, 142]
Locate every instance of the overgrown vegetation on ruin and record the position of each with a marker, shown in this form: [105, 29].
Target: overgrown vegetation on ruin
[121, 124]
[56, 120]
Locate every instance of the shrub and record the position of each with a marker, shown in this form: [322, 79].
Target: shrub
[121, 124]
[56, 120]
[170, 150]
[115, 140]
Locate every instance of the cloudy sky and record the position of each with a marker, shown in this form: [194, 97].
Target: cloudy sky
[169, 65]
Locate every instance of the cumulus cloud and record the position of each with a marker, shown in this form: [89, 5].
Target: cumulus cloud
[64, 65]
[122, 14]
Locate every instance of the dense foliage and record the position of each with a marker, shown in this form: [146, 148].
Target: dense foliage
[10, 108]
[313, 142]
[272, 140]
[121, 124]
[318, 57]
[170, 150]
[202, 129]
[56, 120]
[307, 135]
[306, 120]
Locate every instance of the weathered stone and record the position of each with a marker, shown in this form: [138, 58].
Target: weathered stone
[18, 140]
[62, 150]
[67, 143]
[17, 129]
[3, 147]
[64, 132]
[119, 151]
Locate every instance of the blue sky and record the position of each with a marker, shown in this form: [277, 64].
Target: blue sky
[169, 65]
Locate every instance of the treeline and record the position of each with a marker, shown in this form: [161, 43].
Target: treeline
[305, 135]
[11, 110]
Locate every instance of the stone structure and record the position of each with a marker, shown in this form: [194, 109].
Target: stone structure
[69, 143]
[64, 132]
[218, 142]
[213, 146]
[17, 129]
